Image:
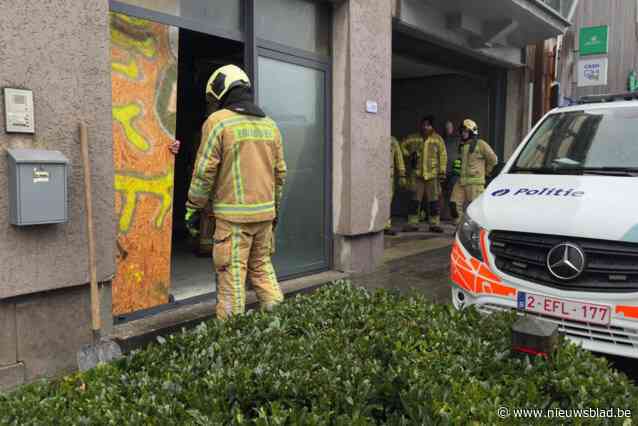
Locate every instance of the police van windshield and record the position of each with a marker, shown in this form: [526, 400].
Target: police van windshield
[598, 141]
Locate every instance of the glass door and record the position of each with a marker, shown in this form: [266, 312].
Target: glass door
[293, 93]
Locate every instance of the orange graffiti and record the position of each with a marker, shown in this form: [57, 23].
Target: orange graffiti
[143, 74]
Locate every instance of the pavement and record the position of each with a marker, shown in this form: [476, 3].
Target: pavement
[415, 261]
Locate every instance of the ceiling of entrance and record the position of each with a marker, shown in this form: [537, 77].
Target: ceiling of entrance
[405, 67]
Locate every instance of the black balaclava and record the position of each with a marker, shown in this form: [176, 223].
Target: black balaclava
[241, 100]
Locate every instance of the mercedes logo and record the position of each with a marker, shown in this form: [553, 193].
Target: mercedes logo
[566, 261]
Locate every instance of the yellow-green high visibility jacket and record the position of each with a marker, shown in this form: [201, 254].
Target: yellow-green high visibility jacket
[434, 156]
[396, 162]
[431, 155]
[477, 161]
[240, 166]
[412, 144]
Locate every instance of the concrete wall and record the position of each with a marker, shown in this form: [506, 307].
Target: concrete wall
[450, 97]
[362, 34]
[60, 50]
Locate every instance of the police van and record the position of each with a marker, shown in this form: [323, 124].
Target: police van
[555, 234]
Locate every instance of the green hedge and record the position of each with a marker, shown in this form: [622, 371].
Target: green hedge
[341, 356]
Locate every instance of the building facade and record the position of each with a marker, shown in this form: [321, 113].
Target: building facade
[340, 77]
[599, 53]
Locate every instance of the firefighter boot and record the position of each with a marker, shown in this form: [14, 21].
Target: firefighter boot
[413, 218]
[435, 218]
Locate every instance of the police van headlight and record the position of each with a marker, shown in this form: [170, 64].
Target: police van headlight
[469, 233]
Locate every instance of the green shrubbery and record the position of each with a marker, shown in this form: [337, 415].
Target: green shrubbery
[341, 357]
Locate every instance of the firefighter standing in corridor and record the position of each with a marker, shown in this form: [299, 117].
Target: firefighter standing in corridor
[240, 167]
[429, 160]
[477, 161]
[396, 164]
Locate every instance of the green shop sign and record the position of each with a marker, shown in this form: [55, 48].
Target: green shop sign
[594, 40]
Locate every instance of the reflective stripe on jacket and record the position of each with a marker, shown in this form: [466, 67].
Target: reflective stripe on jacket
[478, 164]
[240, 166]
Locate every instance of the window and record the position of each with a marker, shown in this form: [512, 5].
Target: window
[301, 24]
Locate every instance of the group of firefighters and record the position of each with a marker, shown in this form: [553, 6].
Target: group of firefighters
[432, 167]
[240, 169]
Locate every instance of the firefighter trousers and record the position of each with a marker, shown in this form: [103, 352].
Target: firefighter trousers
[429, 190]
[462, 195]
[240, 251]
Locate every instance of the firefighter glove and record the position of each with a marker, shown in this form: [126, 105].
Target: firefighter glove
[192, 220]
[456, 167]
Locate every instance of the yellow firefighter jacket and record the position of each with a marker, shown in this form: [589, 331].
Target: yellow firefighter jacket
[240, 166]
[477, 161]
[396, 162]
[431, 155]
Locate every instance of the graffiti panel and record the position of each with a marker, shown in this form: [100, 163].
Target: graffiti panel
[144, 79]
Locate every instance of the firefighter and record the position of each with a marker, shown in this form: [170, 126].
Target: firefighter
[477, 159]
[240, 167]
[430, 163]
[396, 163]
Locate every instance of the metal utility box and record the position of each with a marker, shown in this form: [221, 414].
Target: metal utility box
[38, 189]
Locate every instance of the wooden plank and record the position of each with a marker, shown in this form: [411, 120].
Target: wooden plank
[144, 82]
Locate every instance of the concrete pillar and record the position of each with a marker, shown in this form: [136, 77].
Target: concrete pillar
[362, 72]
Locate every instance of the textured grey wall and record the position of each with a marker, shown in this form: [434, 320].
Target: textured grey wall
[60, 50]
[362, 71]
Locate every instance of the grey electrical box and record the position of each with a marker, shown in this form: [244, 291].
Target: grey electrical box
[38, 190]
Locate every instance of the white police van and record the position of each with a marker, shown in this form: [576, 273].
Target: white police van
[555, 234]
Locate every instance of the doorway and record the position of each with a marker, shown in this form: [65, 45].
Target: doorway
[428, 79]
[199, 55]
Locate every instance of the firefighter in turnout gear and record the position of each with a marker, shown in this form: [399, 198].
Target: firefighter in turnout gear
[396, 165]
[477, 160]
[429, 161]
[239, 167]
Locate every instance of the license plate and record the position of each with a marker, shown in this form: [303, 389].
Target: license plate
[566, 309]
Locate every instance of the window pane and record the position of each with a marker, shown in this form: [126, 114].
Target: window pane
[225, 14]
[294, 96]
[301, 24]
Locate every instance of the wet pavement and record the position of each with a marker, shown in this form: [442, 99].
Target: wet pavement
[426, 272]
